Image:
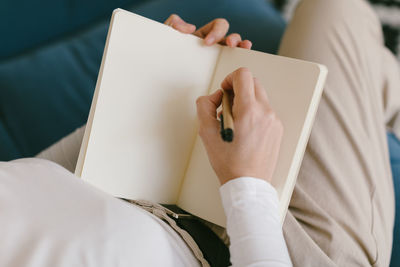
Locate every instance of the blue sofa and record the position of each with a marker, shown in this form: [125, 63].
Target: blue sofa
[51, 52]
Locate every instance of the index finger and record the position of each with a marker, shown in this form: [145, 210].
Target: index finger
[242, 83]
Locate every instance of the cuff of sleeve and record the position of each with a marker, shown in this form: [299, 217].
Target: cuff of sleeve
[242, 188]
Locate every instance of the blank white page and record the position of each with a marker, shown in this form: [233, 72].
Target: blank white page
[142, 124]
[294, 88]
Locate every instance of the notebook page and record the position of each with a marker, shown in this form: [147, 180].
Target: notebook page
[294, 88]
[144, 120]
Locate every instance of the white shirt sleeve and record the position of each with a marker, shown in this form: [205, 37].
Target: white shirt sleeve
[253, 224]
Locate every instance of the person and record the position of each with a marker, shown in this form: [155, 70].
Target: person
[342, 209]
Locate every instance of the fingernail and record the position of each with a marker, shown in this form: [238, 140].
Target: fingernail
[210, 40]
[191, 28]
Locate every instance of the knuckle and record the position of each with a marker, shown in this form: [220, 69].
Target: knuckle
[270, 117]
[275, 121]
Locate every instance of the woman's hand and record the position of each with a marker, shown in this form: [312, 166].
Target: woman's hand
[258, 132]
[212, 33]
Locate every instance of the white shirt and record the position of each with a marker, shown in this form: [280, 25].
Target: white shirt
[48, 217]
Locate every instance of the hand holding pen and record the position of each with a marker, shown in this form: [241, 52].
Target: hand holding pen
[254, 148]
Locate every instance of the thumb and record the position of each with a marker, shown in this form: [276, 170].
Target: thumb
[207, 111]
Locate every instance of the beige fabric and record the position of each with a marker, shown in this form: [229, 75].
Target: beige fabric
[66, 151]
[342, 209]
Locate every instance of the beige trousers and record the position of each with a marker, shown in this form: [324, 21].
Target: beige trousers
[342, 209]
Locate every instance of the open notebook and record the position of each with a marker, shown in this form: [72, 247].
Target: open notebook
[141, 137]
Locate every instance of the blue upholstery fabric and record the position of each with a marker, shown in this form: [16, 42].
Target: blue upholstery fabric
[46, 93]
[394, 147]
[26, 24]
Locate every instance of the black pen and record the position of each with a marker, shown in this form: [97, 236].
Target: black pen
[227, 126]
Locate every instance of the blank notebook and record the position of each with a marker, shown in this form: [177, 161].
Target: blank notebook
[141, 137]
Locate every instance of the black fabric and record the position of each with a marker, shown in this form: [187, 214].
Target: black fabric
[214, 250]
[392, 36]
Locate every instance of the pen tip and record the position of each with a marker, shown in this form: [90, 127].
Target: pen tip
[227, 135]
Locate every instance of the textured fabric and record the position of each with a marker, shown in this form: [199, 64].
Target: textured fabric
[252, 210]
[46, 93]
[342, 209]
[388, 12]
[215, 251]
[26, 25]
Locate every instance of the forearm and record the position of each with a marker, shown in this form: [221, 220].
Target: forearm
[253, 224]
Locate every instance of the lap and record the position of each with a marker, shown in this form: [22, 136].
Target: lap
[342, 209]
